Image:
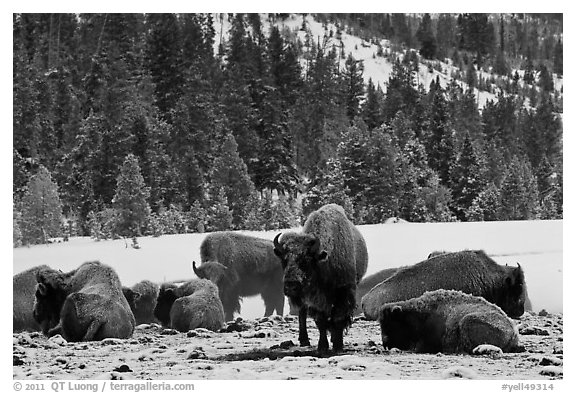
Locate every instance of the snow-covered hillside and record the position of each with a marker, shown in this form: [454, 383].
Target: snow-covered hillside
[536, 245]
[376, 67]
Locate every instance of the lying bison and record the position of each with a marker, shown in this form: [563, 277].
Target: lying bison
[85, 304]
[193, 304]
[142, 300]
[242, 266]
[471, 272]
[446, 321]
[322, 267]
[23, 290]
[370, 282]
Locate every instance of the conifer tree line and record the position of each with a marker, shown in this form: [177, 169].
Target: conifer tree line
[150, 124]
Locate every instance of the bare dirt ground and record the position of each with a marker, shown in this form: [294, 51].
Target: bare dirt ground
[267, 349]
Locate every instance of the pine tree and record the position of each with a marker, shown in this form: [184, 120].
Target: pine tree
[371, 112]
[466, 181]
[16, 232]
[41, 209]
[486, 206]
[329, 188]
[230, 175]
[439, 142]
[164, 59]
[519, 192]
[219, 215]
[558, 66]
[131, 199]
[353, 86]
[426, 37]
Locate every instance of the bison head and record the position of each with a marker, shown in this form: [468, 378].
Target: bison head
[166, 298]
[48, 299]
[131, 297]
[401, 328]
[213, 271]
[300, 255]
[513, 294]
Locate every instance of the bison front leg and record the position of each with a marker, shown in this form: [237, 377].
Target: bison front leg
[302, 329]
[337, 338]
[322, 324]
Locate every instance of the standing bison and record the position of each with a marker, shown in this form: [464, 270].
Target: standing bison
[471, 272]
[23, 290]
[193, 304]
[322, 267]
[242, 266]
[86, 304]
[446, 321]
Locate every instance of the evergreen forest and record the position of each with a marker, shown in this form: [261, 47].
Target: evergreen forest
[130, 125]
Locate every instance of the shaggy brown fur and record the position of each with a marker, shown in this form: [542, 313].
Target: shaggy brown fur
[446, 321]
[23, 290]
[241, 266]
[322, 266]
[194, 304]
[471, 272]
[87, 302]
[370, 282]
[142, 300]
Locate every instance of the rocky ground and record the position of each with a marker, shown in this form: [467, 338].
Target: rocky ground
[267, 349]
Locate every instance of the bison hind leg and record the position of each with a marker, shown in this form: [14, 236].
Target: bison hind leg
[273, 301]
[480, 328]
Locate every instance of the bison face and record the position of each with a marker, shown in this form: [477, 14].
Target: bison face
[400, 328]
[213, 271]
[166, 299]
[301, 257]
[513, 294]
[48, 302]
[131, 297]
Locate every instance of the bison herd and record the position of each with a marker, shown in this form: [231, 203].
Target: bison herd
[450, 302]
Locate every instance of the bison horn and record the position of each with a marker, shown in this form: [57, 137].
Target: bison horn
[195, 268]
[277, 246]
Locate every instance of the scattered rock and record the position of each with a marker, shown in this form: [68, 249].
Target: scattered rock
[552, 371]
[543, 313]
[58, 340]
[61, 360]
[393, 351]
[550, 360]
[558, 350]
[488, 349]
[17, 360]
[287, 344]
[143, 326]
[112, 341]
[123, 369]
[264, 333]
[533, 330]
[169, 332]
[459, 372]
[200, 332]
[196, 355]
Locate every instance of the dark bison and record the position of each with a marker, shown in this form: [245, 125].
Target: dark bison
[142, 300]
[446, 321]
[471, 272]
[86, 304]
[370, 282]
[527, 302]
[193, 304]
[322, 267]
[240, 266]
[23, 290]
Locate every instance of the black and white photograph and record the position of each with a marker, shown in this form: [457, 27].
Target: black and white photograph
[288, 196]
